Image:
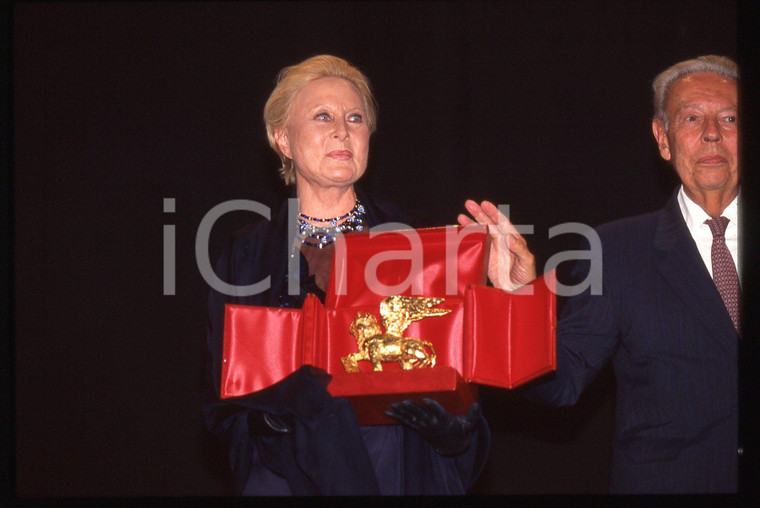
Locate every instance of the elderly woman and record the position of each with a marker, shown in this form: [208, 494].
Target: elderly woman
[293, 437]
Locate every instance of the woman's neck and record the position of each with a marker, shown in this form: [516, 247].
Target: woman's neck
[326, 203]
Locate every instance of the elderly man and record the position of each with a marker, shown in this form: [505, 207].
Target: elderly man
[667, 315]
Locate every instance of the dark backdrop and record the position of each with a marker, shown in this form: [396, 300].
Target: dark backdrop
[541, 105]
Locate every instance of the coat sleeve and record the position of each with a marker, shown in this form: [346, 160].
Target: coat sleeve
[587, 334]
[225, 420]
[323, 454]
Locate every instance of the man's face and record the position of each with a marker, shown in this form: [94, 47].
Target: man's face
[702, 135]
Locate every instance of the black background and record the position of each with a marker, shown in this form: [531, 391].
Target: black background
[542, 105]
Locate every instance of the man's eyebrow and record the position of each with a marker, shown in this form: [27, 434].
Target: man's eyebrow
[699, 105]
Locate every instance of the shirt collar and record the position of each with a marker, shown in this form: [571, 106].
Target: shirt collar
[695, 216]
[732, 210]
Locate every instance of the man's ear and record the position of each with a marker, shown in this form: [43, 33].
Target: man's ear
[281, 138]
[658, 129]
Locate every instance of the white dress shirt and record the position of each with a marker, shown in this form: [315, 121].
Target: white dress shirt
[695, 218]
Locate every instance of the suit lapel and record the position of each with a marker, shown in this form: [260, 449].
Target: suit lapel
[682, 267]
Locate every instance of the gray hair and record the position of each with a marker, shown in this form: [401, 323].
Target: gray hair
[664, 81]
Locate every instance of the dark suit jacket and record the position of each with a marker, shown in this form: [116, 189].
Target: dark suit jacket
[673, 347]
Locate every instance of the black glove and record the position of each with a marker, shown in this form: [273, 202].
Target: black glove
[274, 409]
[450, 435]
[261, 423]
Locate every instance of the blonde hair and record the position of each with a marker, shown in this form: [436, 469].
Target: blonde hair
[291, 79]
[664, 81]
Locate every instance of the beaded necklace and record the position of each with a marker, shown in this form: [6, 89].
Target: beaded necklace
[320, 236]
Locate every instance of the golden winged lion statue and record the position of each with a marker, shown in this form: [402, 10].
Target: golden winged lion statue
[397, 314]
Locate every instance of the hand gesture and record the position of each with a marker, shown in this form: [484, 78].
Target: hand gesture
[511, 265]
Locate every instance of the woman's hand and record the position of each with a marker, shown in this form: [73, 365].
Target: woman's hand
[511, 265]
[450, 435]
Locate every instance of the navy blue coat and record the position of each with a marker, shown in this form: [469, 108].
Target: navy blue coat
[661, 321]
[328, 453]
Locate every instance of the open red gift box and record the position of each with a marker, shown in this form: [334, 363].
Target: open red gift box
[489, 337]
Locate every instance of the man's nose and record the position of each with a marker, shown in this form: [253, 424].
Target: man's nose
[711, 131]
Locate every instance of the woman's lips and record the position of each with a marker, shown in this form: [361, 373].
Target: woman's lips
[341, 155]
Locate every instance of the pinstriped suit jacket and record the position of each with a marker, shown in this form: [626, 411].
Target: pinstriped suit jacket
[661, 321]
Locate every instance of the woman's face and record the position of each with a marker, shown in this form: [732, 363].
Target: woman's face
[326, 135]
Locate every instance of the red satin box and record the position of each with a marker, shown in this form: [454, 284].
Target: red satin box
[489, 336]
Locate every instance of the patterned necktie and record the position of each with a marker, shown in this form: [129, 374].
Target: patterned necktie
[724, 270]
